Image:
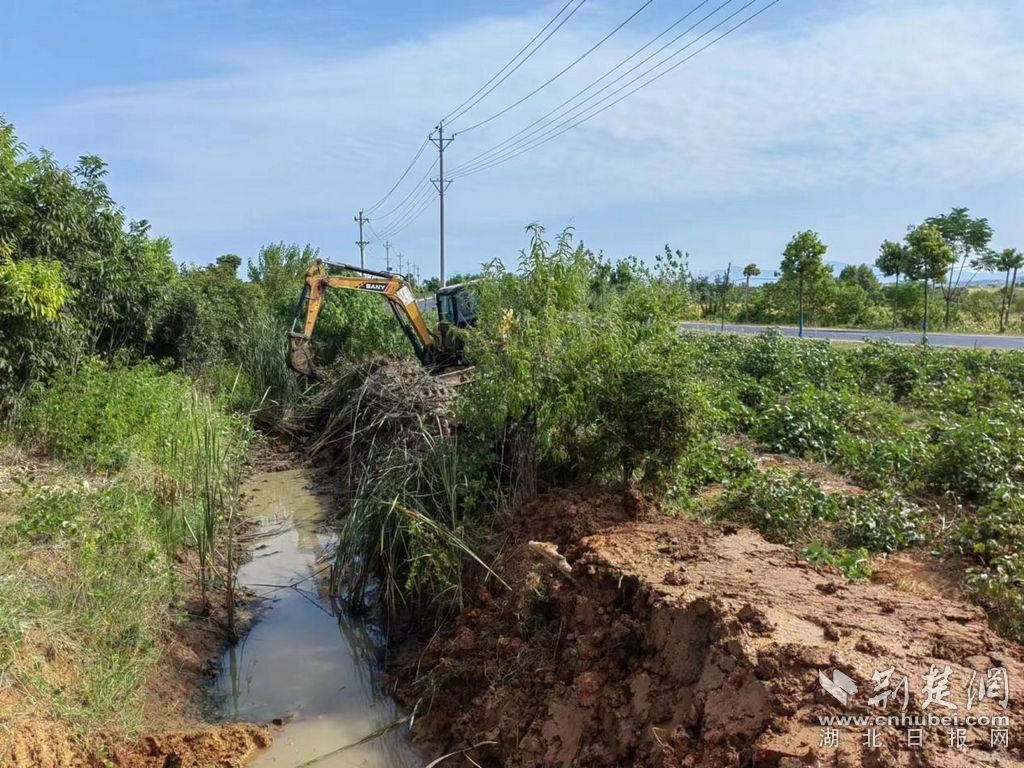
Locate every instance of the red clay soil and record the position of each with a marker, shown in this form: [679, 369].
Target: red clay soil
[677, 644]
[39, 744]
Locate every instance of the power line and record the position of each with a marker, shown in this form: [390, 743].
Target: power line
[373, 231]
[401, 178]
[602, 94]
[559, 130]
[544, 85]
[451, 115]
[560, 107]
[416, 186]
[415, 210]
[508, 74]
[419, 212]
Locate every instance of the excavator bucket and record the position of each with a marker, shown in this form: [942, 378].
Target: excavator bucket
[300, 355]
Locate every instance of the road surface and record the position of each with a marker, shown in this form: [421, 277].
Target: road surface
[974, 340]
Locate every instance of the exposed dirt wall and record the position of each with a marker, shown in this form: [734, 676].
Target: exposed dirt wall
[671, 643]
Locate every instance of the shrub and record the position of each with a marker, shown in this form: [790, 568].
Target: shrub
[880, 521]
[994, 541]
[976, 453]
[895, 459]
[806, 423]
[854, 563]
[102, 417]
[647, 414]
[599, 379]
[783, 507]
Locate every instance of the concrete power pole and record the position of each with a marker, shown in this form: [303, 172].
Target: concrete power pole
[387, 255]
[361, 242]
[441, 184]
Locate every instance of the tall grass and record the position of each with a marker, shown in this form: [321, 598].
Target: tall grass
[86, 591]
[89, 568]
[407, 537]
[206, 462]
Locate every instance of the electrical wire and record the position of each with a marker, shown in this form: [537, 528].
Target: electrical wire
[428, 201]
[401, 205]
[376, 237]
[485, 94]
[572, 64]
[522, 50]
[401, 178]
[560, 107]
[425, 194]
[559, 130]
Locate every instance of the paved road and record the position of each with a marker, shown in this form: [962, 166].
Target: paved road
[980, 341]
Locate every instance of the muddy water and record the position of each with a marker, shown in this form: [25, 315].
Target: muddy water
[301, 660]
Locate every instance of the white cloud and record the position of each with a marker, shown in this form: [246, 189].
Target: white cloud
[908, 93]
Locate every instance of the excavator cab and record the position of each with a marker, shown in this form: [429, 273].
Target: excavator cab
[456, 308]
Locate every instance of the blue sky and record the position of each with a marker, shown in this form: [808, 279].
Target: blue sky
[235, 123]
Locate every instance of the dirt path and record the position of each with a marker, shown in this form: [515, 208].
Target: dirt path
[675, 644]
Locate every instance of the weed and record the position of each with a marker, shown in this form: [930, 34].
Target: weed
[854, 563]
[783, 507]
[881, 521]
[993, 540]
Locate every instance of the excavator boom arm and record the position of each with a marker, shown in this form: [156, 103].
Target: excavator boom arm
[392, 287]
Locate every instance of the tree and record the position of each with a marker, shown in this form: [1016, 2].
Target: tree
[1011, 259]
[723, 283]
[929, 259]
[61, 233]
[1008, 260]
[801, 262]
[966, 237]
[705, 292]
[892, 261]
[749, 271]
[279, 269]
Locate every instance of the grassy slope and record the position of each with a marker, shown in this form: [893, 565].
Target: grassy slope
[111, 481]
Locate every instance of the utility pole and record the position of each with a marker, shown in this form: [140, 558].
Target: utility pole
[400, 264]
[387, 255]
[725, 292]
[361, 242]
[441, 184]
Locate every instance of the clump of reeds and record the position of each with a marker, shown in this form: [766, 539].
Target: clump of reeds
[384, 427]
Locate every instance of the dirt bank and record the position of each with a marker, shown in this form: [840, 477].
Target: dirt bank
[671, 643]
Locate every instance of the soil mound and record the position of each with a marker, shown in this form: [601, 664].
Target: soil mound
[39, 744]
[672, 643]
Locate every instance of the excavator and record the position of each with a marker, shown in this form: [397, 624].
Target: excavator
[439, 350]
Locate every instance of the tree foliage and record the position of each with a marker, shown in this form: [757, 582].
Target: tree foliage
[76, 277]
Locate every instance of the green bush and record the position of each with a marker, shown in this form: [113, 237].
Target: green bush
[973, 454]
[895, 459]
[880, 521]
[993, 540]
[597, 375]
[104, 417]
[782, 506]
[808, 423]
[854, 563]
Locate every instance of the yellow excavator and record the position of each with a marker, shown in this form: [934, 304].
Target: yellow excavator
[439, 350]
